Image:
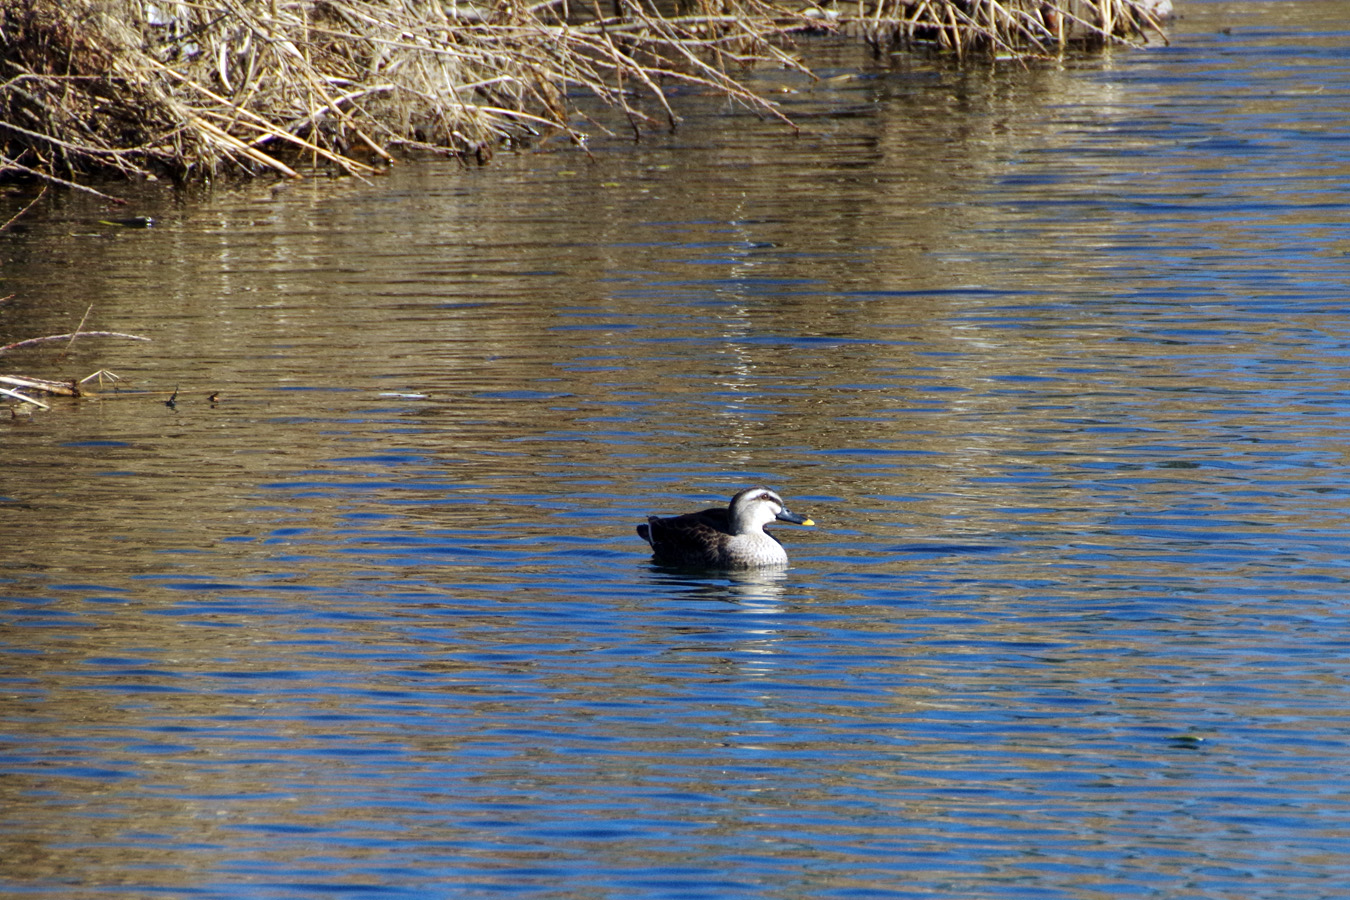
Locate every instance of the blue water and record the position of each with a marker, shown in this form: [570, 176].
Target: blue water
[1054, 358]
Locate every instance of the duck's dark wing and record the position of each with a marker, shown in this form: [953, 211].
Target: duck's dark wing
[690, 539]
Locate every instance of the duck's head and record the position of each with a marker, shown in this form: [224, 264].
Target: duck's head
[753, 508]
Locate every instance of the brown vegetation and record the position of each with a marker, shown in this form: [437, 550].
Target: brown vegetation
[197, 88]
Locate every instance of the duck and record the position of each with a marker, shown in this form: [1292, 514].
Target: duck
[717, 538]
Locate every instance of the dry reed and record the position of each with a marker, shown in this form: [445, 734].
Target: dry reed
[1017, 28]
[197, 88]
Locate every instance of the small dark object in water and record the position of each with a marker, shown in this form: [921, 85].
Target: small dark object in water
[131, 222]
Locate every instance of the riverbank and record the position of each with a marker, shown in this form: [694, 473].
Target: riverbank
[194, 92]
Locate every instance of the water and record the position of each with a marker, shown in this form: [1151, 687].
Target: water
[1054, 357]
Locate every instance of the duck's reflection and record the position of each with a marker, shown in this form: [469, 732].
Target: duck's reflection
[749, 646]
[751, 590]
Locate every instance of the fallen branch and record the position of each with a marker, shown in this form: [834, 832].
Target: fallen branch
[7, 163]
[63, 388]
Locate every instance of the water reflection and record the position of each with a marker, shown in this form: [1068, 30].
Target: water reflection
[754, 590]
[1051, 355]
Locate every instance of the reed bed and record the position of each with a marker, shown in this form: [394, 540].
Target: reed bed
[194, 89]
[1013, 28]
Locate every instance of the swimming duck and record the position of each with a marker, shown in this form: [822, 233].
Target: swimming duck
[731, 538]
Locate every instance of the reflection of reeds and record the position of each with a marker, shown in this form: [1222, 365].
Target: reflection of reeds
[197, 87]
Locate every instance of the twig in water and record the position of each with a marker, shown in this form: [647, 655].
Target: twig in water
[24, 397]
[101, 375]
[61, 337]
[7, 163]
[76, 333]
[12, 219]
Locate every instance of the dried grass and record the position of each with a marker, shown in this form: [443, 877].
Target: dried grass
[1017, 28]
[197, 88]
